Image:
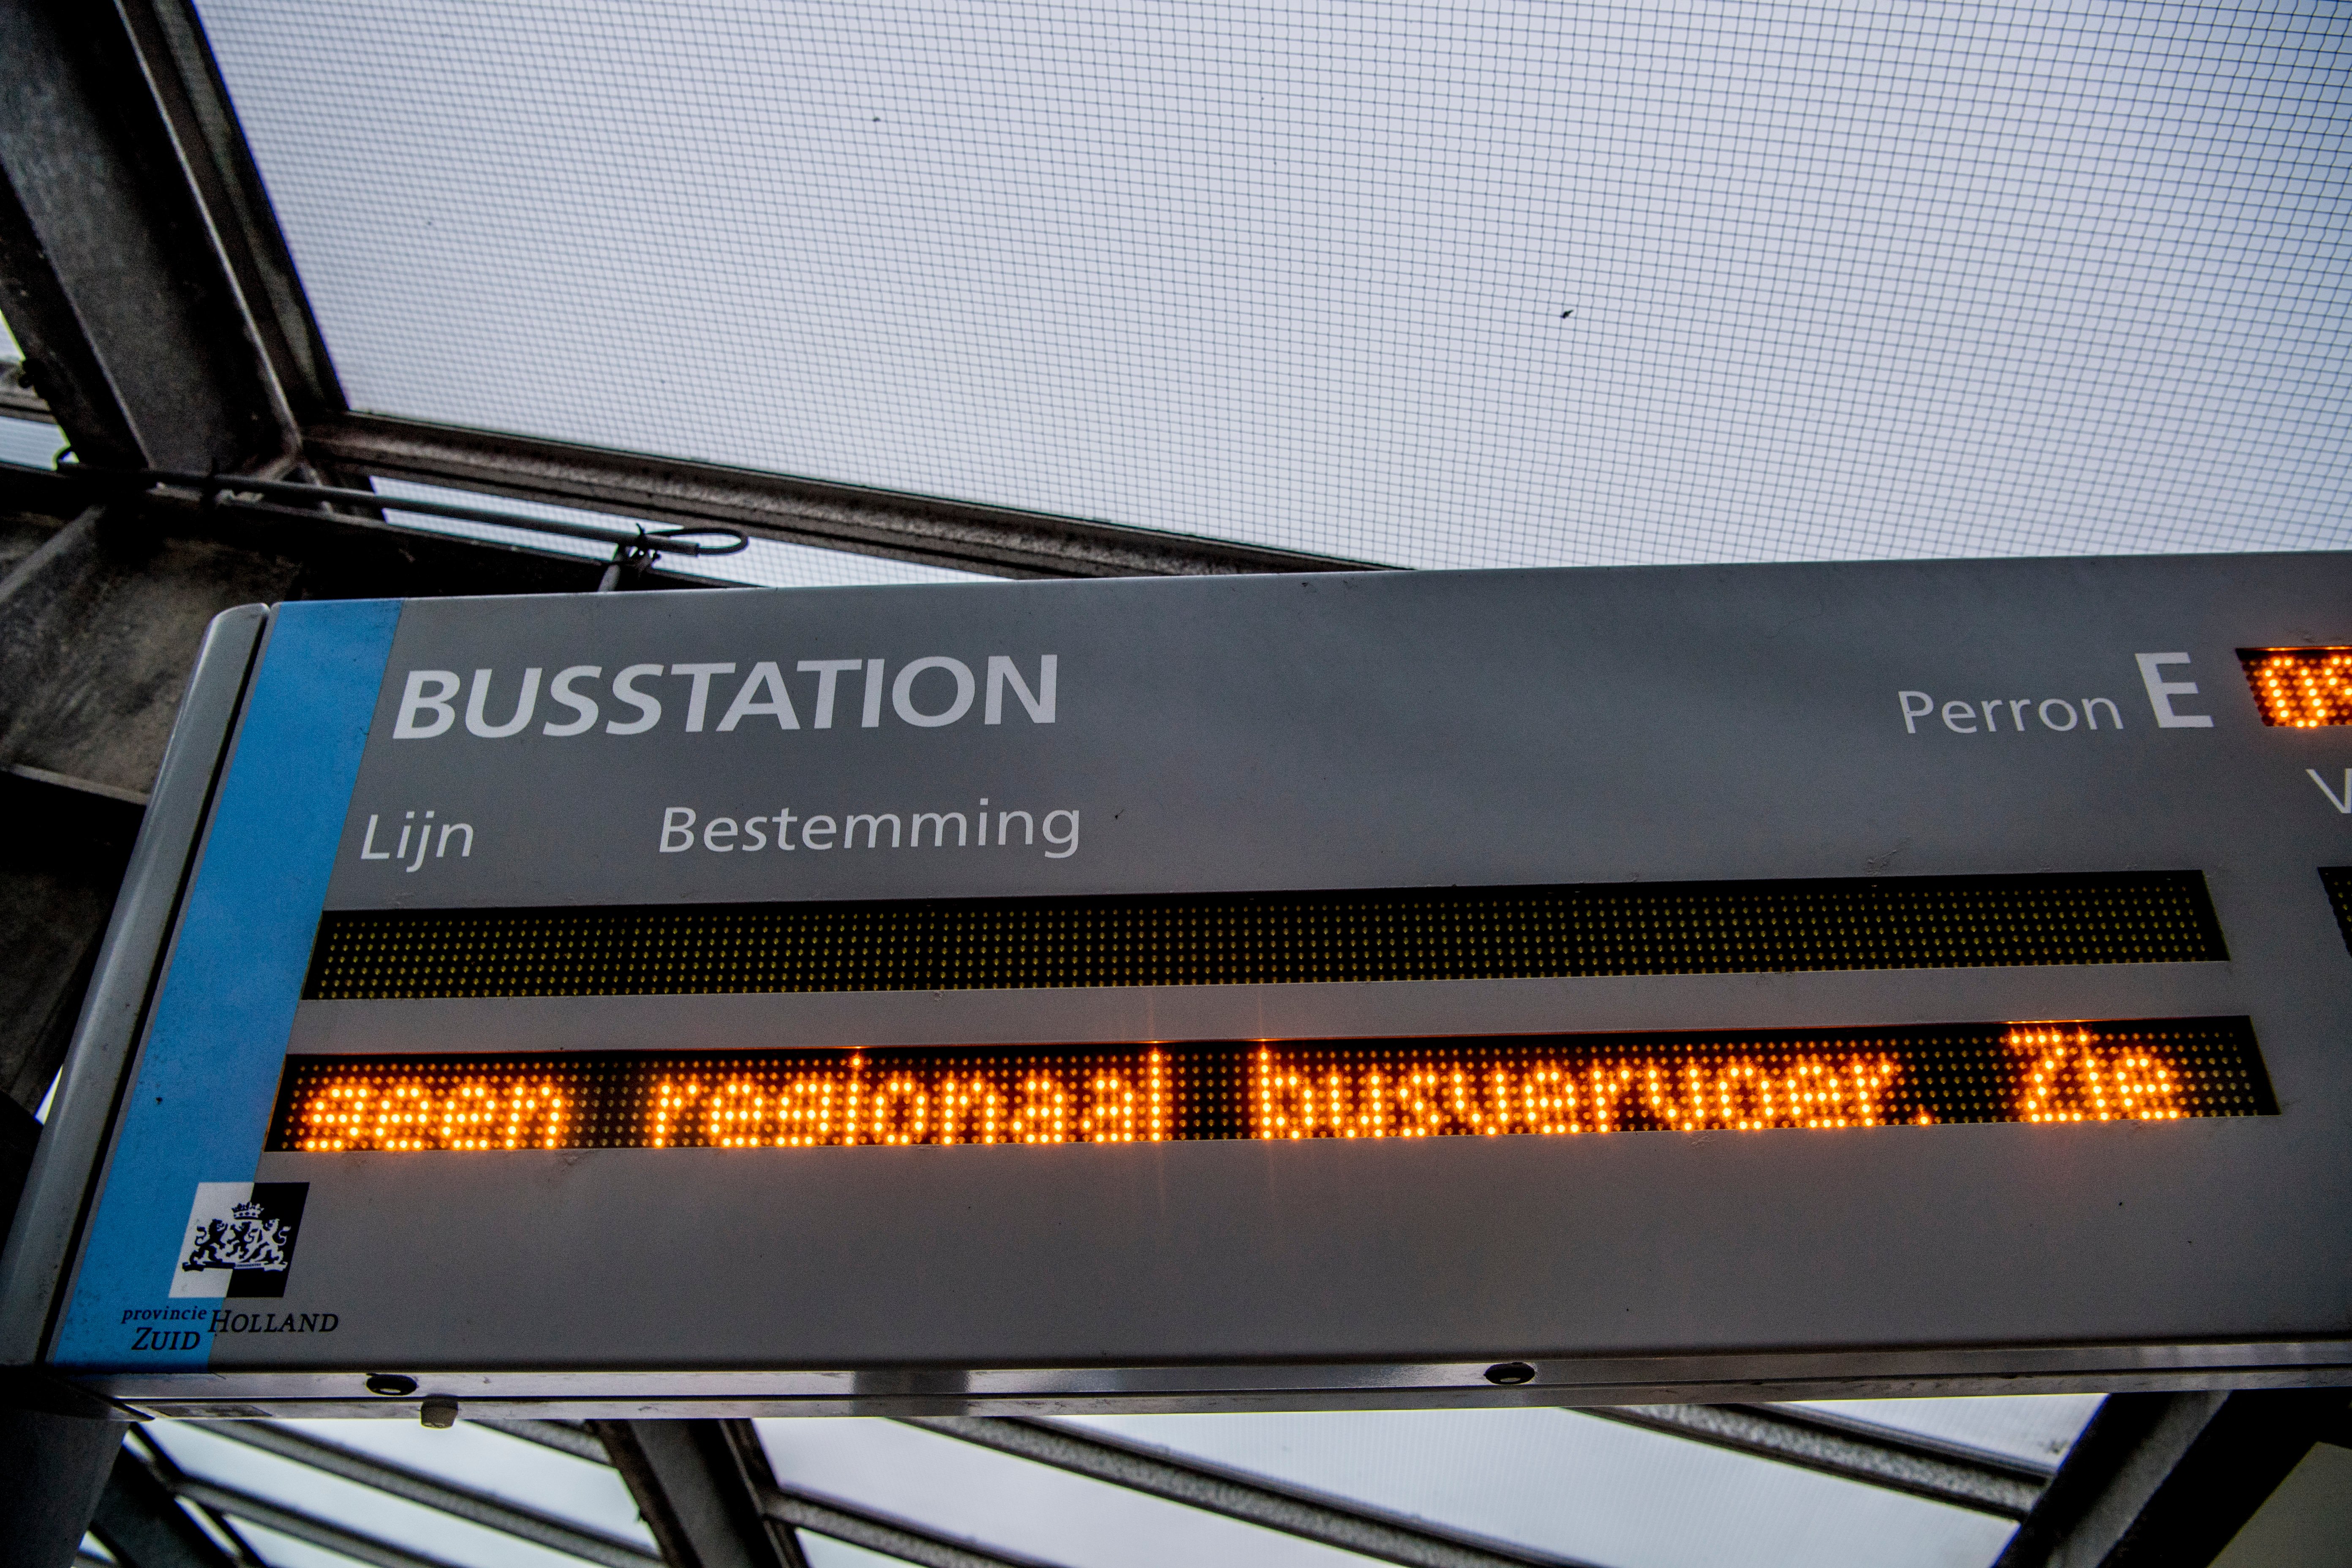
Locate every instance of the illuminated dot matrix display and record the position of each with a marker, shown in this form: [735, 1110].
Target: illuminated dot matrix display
[1268, 938]
[2301, 687]
[2337, 880]
[1549, 1085]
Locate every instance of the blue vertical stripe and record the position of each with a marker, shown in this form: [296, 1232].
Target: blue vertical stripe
[201, 1106]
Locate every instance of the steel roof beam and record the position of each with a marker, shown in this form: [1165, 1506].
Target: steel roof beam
[695, 1494]
[1000, 541]
[53, 1468]
[142, 1524]
[2164, 1481]
[108, 271]
[564, 1436]
[892, 1537]
[1982, 1484]
[219, 166]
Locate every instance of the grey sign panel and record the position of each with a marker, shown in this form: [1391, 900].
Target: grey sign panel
[1819, 852]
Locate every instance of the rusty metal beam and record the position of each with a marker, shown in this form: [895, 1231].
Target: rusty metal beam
[1000, 541]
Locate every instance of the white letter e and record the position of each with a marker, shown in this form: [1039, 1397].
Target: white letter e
[2160, 692]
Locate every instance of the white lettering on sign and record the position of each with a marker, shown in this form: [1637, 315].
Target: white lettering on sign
[526, 701]
[429, 836]
[2008, 715]
[764, 696]
[583, 707]
[624, 687]
[699, 701]
[826, 670]
[2160, 692]
[2344, 804]
[928, 693]
[1055, 834]
[902, 692]
[427, 693]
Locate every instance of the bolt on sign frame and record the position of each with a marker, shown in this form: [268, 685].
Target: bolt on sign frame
[1601, 986]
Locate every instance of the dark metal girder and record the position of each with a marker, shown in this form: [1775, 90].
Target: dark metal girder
[19, 1134]
[2164, 1481]
[141, 1522]
[54, 1468]
[695, 1494]
[141, 1444]
[57, 887]
[195, 105]
[1000, 541]
[108, 271]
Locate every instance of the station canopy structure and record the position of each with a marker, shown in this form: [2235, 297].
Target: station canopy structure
[923, 292]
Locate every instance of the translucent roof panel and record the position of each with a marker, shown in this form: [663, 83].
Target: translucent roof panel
[32, 443]
[1440, 284]
[824, 1551]
[1559, 1484]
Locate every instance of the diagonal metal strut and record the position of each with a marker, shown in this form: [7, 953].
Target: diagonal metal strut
[1982, 1484]
[303, 1527]
[431, 1492]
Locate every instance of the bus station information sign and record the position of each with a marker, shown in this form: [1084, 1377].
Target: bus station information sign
[1204, 994]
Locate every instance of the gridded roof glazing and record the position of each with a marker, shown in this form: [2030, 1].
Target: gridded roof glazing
[1530, 1486]
[1558, 1485]
[1436, 284]
[1536, 1485]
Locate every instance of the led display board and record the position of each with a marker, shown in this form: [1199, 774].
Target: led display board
[1271, 992]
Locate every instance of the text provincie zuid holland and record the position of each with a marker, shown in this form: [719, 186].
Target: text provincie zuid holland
[928, 693]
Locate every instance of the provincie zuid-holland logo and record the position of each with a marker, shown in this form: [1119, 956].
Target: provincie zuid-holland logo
[240, 1240]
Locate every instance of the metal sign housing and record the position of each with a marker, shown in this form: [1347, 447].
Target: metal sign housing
[1592, 986]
